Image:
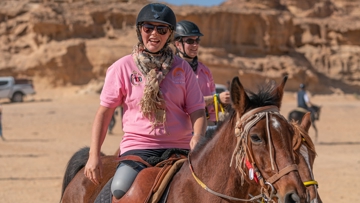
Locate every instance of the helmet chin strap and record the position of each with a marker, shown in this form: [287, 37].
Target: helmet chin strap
[183, 53]
[193, 63]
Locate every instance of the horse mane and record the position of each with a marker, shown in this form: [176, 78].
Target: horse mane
[74, 165]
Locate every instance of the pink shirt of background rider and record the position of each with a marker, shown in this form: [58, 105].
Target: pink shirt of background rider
[207, 86]
[124, 86]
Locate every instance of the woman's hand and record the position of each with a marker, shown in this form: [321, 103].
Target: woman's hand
[194, 140]
[224, 97]
[93, 169]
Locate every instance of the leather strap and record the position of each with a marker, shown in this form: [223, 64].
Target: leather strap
[281, 173]
[133, 158]
[252, 112]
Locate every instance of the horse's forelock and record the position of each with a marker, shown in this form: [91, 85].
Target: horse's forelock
[266, 96]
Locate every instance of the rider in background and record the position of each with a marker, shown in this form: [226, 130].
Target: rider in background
[161, 99]
[303, 99]
[187, 42]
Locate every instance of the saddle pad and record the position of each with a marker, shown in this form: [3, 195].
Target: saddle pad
[301, 110]
[159, 192]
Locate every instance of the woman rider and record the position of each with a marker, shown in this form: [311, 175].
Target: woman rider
[187, 41]
[160, 97]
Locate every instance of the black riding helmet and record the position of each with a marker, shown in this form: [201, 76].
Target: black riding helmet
[156, 12]
[186, 28]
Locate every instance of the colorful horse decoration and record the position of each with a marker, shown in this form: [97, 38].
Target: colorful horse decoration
[255, 155]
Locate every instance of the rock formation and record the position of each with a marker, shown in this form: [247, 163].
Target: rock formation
[72, 42]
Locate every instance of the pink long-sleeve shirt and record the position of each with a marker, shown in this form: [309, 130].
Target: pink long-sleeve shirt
[124, 85]
[207, 86]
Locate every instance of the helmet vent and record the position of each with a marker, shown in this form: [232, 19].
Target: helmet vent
[157, 9]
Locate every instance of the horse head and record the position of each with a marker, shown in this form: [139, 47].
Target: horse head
[317, 110]
[264, 151]
[306, 157]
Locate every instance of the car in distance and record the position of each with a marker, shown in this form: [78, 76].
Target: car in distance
[15, 89]
[220, 88]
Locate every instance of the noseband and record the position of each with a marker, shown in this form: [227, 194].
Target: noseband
[243, 154]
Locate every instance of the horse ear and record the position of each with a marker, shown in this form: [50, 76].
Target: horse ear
[238, 95]
[306, 121]
[279, 91]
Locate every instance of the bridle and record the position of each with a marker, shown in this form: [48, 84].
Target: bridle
[303, 149]
[243, 154]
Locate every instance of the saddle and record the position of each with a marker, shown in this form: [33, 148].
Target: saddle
[151, 182]
[300, 109]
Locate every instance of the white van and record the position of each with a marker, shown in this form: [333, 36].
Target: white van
[15, 89]
[220, 88]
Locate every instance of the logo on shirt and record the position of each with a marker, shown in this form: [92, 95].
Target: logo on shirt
[136, 78]
[207, 74]
[178, 75]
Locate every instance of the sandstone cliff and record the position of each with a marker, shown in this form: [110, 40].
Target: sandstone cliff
[72, 42]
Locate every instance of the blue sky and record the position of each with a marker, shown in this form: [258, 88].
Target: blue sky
[195, 2]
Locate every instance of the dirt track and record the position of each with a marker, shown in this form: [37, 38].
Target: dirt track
[43, 132]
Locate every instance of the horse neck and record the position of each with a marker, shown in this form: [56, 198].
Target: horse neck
[218, 148]
[212, 162]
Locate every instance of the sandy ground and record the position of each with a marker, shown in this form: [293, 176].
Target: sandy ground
[43, 133]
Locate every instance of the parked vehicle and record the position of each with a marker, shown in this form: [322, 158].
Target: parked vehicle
[220, 88]
[15, 89]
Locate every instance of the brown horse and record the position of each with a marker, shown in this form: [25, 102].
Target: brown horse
[306, 157]
[250, 157]
[298, 113]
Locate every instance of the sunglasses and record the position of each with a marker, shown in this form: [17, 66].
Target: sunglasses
[192, 41]
[161, 29]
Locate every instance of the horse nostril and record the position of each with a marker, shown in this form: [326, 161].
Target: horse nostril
[292, 198]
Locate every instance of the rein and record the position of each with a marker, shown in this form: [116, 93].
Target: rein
[217, 103]
[204, 186]
[246, 122]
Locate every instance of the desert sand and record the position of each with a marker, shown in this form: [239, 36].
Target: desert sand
[43, 132]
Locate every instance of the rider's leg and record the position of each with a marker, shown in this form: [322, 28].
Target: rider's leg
[124, 177]
[127, 170]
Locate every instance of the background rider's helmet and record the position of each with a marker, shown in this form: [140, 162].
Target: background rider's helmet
[156, 12]
[186, 28]
[302, 85]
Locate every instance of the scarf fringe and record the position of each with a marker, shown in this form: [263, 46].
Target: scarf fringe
[154, 68]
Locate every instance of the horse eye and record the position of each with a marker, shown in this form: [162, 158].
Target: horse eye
[255, 138]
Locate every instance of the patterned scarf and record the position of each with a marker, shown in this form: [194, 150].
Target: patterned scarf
[154, 67]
